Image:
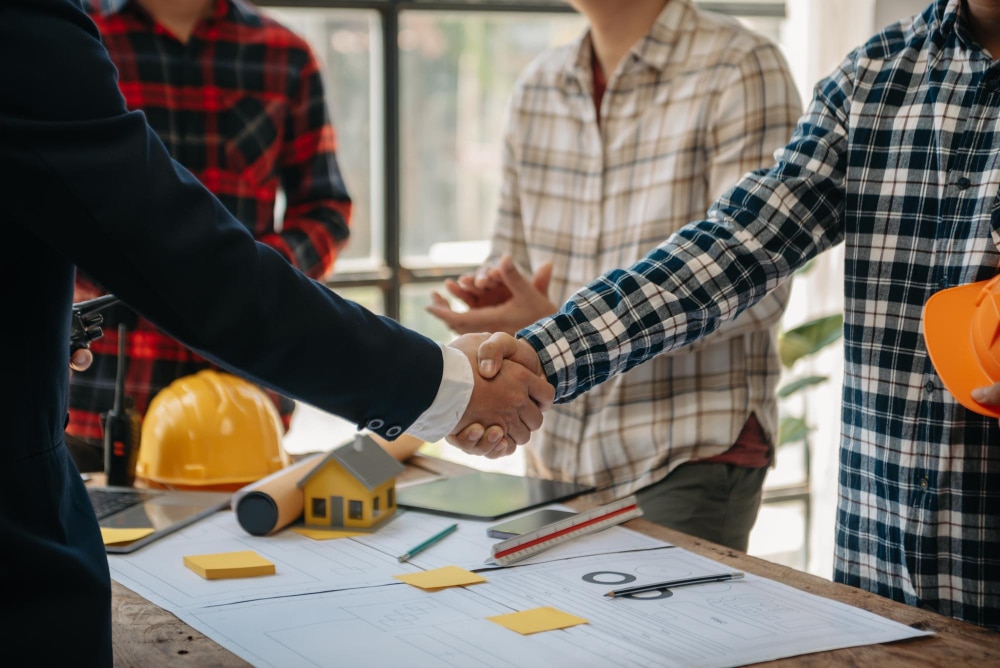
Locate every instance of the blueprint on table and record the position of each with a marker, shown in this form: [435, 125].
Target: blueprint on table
[306, 566]
[334, 603]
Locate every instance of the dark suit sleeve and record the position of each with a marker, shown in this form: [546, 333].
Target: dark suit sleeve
[91, 181]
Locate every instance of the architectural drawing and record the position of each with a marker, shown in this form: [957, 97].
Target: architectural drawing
[331, 603]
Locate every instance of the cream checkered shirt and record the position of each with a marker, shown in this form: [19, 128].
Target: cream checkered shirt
[697, 103]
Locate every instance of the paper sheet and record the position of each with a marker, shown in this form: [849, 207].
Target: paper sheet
[362, 616]
[308, 566]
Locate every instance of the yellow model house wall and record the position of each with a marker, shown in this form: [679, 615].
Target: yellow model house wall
[335, 480]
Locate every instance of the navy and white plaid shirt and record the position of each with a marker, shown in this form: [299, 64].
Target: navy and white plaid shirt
[898, 157]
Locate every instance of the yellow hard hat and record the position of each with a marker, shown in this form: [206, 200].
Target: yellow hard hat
[209, 430]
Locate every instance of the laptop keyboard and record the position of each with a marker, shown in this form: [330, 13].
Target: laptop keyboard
[107, 502]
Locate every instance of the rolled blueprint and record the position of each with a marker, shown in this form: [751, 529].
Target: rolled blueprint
[272, 503]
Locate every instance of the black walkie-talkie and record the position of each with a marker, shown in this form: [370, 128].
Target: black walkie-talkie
[121, 428]
[87, 319]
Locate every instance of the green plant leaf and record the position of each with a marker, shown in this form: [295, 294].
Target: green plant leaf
[809, 338]
[790, 388]
[792, 430]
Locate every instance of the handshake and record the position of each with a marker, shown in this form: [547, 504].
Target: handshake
[509, 395]
[511, 390]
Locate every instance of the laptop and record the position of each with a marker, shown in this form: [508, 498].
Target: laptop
[163, 511]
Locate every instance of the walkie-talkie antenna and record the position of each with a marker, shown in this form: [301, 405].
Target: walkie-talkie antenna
[120, 372]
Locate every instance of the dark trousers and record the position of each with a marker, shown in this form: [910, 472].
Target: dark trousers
[716, 502]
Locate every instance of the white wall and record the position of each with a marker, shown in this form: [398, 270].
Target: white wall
[889, 11]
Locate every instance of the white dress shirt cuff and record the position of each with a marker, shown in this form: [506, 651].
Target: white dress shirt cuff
[453, 397]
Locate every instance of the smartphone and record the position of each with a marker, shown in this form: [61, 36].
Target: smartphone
[528, 523]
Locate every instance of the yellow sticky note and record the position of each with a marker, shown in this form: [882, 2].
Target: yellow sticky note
[114, 536]
[245, 564]
[531, 621]
[439, 578]
[327, 534]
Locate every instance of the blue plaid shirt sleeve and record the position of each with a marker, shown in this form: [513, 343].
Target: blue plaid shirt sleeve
[755, 237]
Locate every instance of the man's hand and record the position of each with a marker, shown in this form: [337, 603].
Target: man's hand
[989, 395]
[497, 353]
[81, 359]
[509, 396]
[479, 289]
[501, 347]
[500, 300]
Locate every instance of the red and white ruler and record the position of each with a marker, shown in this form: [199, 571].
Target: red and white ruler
[590, 521]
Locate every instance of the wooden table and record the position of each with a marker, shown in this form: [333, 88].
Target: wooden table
[146, 635]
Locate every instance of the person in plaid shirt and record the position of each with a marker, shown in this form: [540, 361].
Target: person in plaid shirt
[613, 142]
[238, 99]
[898, 158]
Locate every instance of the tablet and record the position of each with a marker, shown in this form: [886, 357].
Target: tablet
[528, 523]
[485, 495]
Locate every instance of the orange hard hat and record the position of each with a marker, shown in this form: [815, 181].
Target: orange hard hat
[962, 333]
[210, 430]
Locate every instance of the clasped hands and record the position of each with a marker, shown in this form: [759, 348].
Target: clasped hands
[511, 391]
[509, 395]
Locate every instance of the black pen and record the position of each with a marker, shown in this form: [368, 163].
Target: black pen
[670, 584]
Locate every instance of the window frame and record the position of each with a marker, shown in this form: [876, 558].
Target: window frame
[355, 509]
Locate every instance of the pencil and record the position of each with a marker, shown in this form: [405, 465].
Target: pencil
[670, 584]
[414, 551]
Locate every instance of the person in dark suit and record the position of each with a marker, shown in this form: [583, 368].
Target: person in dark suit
[86, 183]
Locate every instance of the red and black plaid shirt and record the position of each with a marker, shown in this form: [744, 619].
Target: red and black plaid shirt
[241, 105]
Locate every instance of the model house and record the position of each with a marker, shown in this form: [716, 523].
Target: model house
[353, 486]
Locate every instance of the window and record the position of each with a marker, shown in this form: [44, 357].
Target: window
[390, 497]
[356, 510]
[418, 120]
[376, 510]
[318, 507]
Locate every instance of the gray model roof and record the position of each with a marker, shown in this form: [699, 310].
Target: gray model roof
[364, 459]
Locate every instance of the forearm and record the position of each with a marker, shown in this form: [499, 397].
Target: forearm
[312, 236]
[317, 216]
[318, 211]
[767, 227]
[755, 115]
[765, 314]
[508, 228]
